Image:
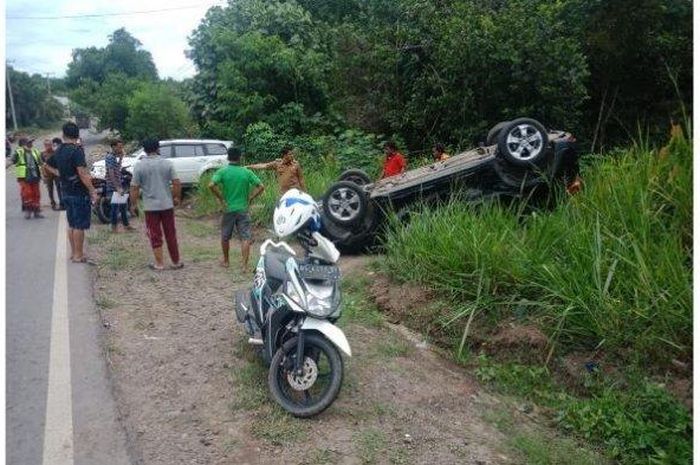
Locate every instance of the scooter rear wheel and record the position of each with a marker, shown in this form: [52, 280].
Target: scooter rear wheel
[313, 391]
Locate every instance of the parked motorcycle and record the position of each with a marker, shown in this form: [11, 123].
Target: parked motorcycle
[103, 207]
[292, 308]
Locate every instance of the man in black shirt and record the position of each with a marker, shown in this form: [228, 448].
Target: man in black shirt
[68, 163]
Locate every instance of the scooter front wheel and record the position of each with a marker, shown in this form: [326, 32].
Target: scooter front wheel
[314, 390]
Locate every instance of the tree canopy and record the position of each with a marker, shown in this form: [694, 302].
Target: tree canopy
[431, 70]
[123, 54]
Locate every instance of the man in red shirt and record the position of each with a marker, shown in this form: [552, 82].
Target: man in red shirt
[394, 163]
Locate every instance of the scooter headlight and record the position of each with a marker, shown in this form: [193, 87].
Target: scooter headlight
[320, 307]
[293, 294]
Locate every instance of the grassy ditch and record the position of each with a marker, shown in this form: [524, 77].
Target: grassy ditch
[607, 272]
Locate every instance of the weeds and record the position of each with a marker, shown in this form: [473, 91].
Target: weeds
[609, 268]
[606, 270]
[369, 443]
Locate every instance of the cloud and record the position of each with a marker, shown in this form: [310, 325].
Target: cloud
[45, 46]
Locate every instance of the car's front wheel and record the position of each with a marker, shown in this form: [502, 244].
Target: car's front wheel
[523, 142]
[345, 203]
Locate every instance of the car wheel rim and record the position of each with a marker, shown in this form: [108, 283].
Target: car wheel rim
[344, 204]
[524, 142]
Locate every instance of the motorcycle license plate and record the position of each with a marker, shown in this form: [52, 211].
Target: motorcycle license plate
[325, 272]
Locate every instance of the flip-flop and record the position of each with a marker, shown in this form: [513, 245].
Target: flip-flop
[155, 268]
[85, 260]
[177, 267]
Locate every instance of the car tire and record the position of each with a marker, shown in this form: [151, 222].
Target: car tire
[523, 142]
[492, 136]
[359, 177]
[345, 203]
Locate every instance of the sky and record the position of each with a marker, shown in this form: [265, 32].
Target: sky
[45, 45]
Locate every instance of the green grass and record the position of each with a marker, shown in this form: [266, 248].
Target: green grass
[369, 444]
[392, 346]
[608, 270]
[274, 425]
[200, 228]
[535, 448]
[357, 307]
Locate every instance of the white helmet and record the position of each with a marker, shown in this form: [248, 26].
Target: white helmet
[293, 211]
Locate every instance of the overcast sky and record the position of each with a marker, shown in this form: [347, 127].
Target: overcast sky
[44, 46]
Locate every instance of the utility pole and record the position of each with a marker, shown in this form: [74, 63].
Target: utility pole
[48, 81]
[12, 100]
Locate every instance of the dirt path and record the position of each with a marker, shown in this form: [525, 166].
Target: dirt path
[191, 392]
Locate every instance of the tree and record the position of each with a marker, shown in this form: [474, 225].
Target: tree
[33, 103]
[254, 57]
[153, 111]
[123, 54]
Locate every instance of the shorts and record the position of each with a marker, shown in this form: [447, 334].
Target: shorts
[78, 211]
[238, 221]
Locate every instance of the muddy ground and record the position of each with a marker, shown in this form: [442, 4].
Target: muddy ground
[190, 391]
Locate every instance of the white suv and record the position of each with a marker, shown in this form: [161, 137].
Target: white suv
[191, 157]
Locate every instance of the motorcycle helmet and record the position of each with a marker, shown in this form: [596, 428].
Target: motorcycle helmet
[294, 211]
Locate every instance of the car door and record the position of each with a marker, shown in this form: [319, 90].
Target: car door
[188, 158]
[217, 157]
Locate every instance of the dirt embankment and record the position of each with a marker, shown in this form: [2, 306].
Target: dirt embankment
[191, 391]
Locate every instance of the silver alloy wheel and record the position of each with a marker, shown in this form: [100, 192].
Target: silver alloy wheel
[344, 204]
[524, 142]
[306, 379]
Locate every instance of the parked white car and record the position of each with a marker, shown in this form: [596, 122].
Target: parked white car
[191, 157]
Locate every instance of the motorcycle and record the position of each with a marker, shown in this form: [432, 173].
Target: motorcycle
[103, 207]
[291, 310]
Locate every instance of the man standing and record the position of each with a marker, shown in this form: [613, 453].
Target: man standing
[394, 163]
[113, 177]
[235, 187]
[68, 163]
[27, 161]
[49, 179]
[153, 175]
[288, 171]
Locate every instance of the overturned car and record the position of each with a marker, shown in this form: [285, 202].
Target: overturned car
[520, 160]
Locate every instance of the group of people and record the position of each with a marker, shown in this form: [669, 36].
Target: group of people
[395, 162]
[30, 170]
[62, 166]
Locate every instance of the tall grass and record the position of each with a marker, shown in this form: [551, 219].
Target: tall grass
[608, 268]
[317, 178]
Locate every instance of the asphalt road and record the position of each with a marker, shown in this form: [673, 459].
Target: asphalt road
[59, 403]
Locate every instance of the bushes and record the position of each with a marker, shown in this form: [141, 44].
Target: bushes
[154, 112]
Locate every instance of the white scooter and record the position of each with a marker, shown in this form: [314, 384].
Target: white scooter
[292, 308]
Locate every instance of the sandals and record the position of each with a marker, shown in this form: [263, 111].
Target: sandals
[155, 268]
[177, 267]
[85, 260]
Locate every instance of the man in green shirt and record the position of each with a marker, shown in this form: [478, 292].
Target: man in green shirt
[235, 187]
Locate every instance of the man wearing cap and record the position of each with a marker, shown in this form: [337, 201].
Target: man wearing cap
[27, 161]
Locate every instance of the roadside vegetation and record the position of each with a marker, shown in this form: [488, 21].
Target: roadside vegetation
[607, 273]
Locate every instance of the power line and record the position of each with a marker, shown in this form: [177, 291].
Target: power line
[100, 15]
